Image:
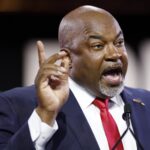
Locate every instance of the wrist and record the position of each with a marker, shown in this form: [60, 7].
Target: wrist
[48, 117]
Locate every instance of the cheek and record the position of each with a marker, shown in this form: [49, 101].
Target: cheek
[92, 68]
[125, 62]
[88, 63]
[93, 62]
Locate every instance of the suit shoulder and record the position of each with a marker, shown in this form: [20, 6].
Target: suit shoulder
[137, 90]
[138, 93]
[19, 94]
[18, 102]
[19, 91]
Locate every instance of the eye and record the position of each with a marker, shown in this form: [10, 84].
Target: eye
[97, 46]
[119, 43]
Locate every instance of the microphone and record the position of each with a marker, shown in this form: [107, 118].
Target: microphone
[127, 116]
[127, 113]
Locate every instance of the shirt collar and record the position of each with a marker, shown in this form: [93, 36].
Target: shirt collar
[117, 100]
[84, 98]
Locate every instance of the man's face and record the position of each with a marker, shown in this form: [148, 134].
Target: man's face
[99, 58]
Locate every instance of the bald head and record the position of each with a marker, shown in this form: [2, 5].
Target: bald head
[95, 44]
[75, 23]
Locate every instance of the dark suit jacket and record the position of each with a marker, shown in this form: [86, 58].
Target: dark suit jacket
[74, 133]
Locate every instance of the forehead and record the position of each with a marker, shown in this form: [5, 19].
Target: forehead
[100, 24]
[80, 25]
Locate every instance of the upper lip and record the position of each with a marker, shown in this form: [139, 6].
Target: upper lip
[113, 69]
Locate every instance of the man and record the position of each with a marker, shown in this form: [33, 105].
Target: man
[59, 112]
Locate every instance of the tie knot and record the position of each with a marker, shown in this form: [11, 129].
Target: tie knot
[101, 104]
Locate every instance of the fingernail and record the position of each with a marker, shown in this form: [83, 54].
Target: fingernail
[62, 53]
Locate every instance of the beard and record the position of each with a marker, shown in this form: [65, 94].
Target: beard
[110, 91]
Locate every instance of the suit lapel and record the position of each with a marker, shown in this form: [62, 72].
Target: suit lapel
[79, 125]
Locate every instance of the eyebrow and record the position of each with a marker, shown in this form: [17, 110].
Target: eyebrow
[101, 38]
[120, 33]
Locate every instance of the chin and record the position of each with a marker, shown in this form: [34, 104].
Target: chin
[111, 91]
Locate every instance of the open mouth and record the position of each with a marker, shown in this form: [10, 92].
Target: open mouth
[113, 75]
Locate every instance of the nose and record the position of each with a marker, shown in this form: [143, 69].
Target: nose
[112, 53]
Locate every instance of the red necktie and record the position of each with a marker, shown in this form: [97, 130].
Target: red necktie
[110, 127]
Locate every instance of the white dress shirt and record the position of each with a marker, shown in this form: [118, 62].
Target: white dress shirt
[92, 114]
[41, 132]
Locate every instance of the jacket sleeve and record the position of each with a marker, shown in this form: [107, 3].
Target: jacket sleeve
[14, 134]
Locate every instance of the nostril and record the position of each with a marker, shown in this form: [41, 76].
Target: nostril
[113, 57]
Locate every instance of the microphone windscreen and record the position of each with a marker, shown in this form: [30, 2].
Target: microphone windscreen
[127, 108]
[127, 111]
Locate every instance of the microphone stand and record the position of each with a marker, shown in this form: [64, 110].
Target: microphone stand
[124, 133]
[126, 116]
[137, 140]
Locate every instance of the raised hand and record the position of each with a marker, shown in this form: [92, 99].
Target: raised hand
[51, 83]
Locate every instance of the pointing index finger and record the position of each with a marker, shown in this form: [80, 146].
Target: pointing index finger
[41, 52]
